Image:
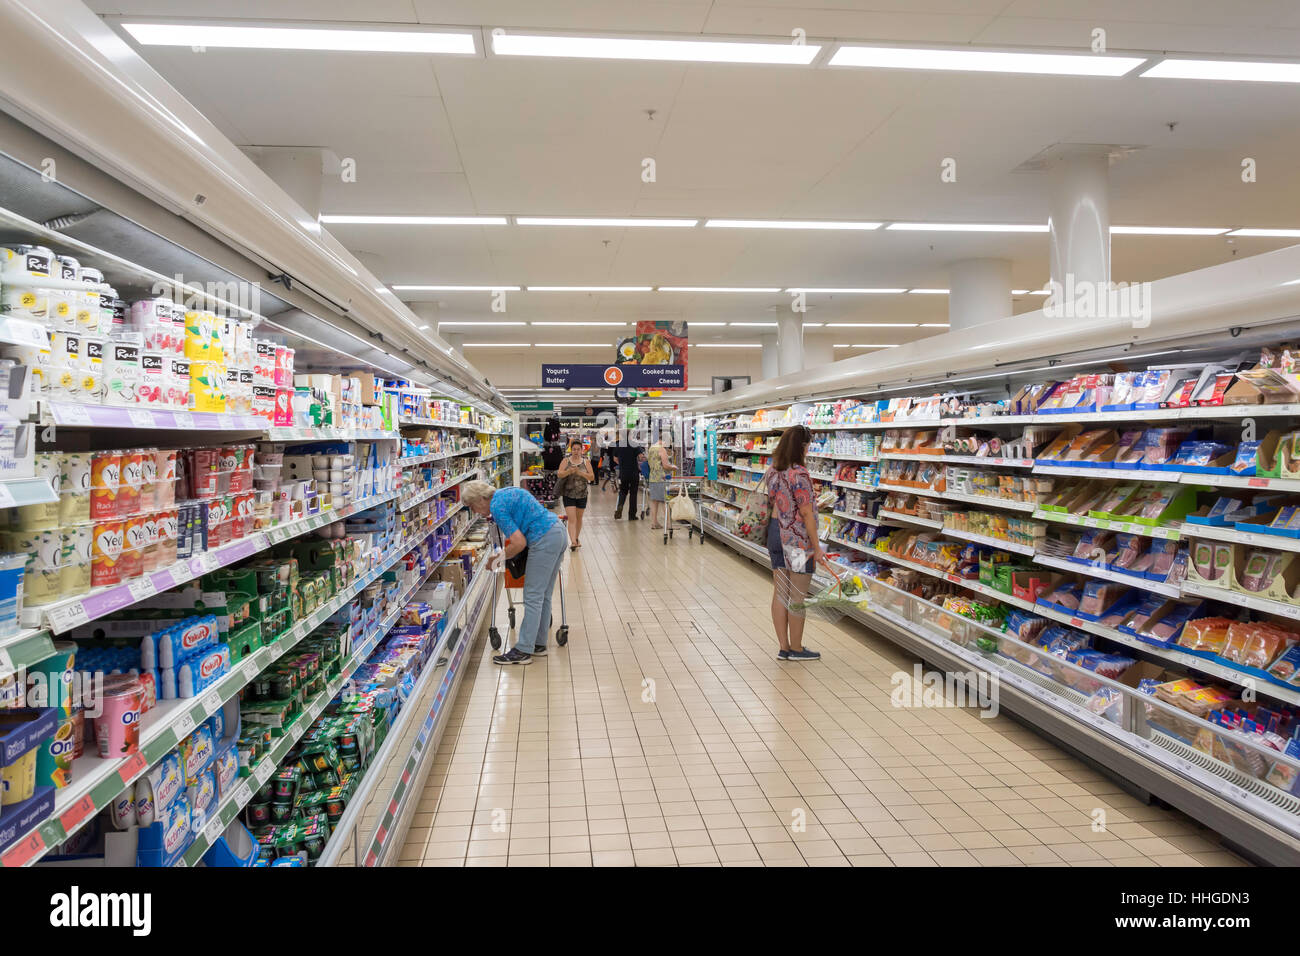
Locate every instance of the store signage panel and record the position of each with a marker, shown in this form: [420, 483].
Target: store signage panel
[613, 376]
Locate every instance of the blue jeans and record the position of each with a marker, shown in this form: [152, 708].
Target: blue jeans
[544, 557]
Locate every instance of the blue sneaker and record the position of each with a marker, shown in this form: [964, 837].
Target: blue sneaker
[513, 656]
[783, 655]
[539, 652]
[804, 655]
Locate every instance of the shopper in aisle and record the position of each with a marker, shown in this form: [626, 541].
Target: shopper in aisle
[660, 467]
[629, 478]
[575, 479]
[792, 537]
[524, 523]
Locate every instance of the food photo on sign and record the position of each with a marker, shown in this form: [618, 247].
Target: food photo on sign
[655, 343]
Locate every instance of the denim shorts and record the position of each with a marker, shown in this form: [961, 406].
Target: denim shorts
[777, 553]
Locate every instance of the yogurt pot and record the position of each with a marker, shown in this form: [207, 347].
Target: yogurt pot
[18, 779]
[22, 266]
[132, 480]
[117, 728]
[88, 305]
[164, 495]
[74, 487]
[59, 752]
[57, 672]
[76, 559]
[133, 547]
[106, 552]
[105, 483]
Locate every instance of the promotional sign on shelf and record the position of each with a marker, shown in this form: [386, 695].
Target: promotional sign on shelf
[712, 446]
[614, 376]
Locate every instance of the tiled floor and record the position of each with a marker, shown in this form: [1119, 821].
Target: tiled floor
[666, 734]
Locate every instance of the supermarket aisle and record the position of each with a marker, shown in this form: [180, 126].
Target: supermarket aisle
[668, 734]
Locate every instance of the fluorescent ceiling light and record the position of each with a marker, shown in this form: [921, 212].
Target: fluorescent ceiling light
[985, 61]
[754, 325]
[967, 227]
[705, 288]
[589, 288]
[300, 38]
[870, 325]
[440, 324]
[588, 324]
[1020, 292]
[456, 288]
[848, 291]
[1167, 231]
[423, 327]
[563, 221]
[727, 345]
[927, 291]
[414, 220]
[1040, 292]
[812, 325]
[1252, 70]
[1267, 233]
[865, 346]
[786, 224]
[618, 48]
[706, 325]
[934, 325]
[496, 345]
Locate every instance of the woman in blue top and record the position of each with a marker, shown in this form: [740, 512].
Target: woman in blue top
[524, 523]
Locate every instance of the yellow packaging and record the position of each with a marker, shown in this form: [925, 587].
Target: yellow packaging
[203, 337]
[207, 386]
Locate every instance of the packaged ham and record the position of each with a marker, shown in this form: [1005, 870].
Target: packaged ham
[1128, 549]
[1098, 596]
[1208, 634]
[1165, 628]
[1066, 595]
[1163, 552]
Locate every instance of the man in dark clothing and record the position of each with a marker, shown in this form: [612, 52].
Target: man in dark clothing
[629, 478]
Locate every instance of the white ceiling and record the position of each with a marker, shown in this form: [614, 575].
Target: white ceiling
[486, 135]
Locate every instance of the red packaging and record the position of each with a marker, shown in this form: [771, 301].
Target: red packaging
[204, 466]
[133, 540]
[283, 366]
[128, 492]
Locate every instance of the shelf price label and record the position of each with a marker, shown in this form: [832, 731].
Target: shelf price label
[184, 725]
[140, 417]
[70, 414]
[212, 702]
[24, 851]
[140, 589]
[132, 767]
[76, 814]
[184, 420]
[263, 772]
[67, 616]
[243, 794]
[213, 831]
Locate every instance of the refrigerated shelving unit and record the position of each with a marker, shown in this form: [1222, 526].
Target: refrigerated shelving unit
[147, 190]
[1150, 746]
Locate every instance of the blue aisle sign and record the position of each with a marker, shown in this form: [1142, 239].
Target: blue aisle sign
[613, 376]
[713, 452]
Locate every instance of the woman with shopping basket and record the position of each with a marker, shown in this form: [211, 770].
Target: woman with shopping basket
[791, 538]
[524, 523]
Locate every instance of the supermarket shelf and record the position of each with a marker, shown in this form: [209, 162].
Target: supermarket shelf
[988, 460]
[1097, 571]
[1124, 527]
[1233, 481]
[863, 458]
[23, 648]
[73, 415]
[865, 549]
[331, 434]
[242, 793]
[910, 519]
[989, 501]
[62, 616]
[411, 461]
[435, 423]
[990, 542]
[97, 781]
[903, 456]
[359, 800]
[428, 493]
[1278, 542]
[863, 518]
[1110, 474]
[495, 454]
[730, 464]
[1231, 596]
[851, 484]
[716, 497]
[908, 490]
[20, 492]
[735, 484]
[865, 426]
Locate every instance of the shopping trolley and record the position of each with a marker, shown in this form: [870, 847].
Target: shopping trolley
[694, 487]
[510, 582]
[542, 487]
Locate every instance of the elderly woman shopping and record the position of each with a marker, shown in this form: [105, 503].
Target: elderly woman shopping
[524, 524]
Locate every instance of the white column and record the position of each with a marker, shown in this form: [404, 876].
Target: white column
[771, 367]
[979, 291]
[1079, 217]
[298, 170]
[789, 334]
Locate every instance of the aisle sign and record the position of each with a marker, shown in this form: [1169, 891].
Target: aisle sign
[613, 376]
[533, 406]
[712, 446]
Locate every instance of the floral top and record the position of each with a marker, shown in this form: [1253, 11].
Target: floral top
[655, 454]
[788, 491]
